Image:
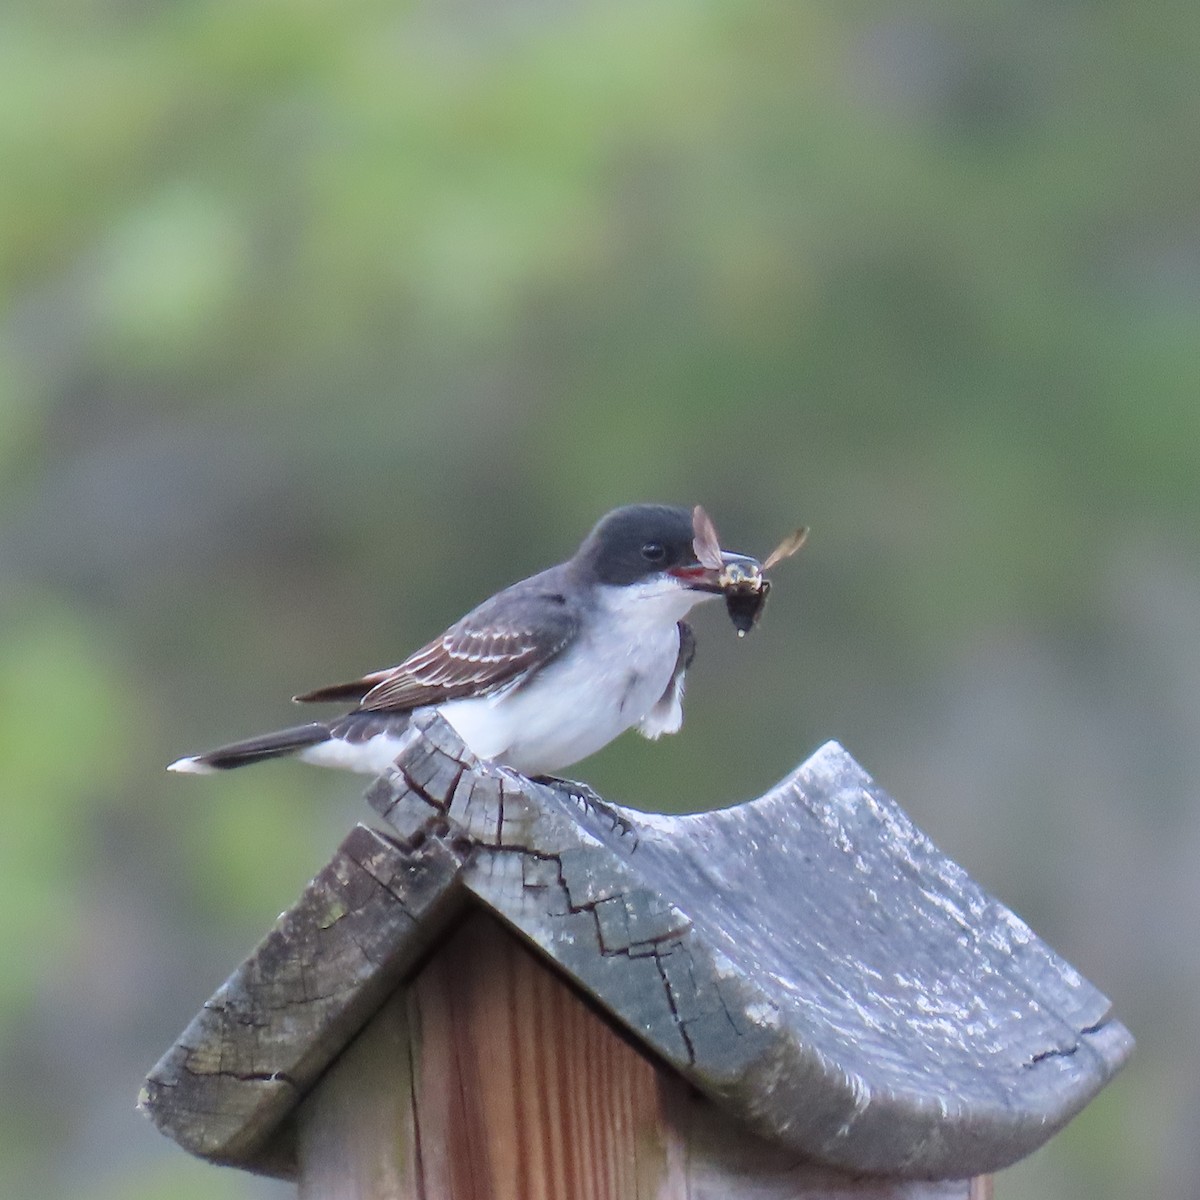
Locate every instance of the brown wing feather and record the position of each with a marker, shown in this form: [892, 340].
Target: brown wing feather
[462, 662]
[495, 646]
[354, 689]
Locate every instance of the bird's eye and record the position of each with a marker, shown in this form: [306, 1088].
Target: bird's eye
[654, 552]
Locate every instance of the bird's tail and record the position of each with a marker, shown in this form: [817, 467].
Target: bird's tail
[253, 750]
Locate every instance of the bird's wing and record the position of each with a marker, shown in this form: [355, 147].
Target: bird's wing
[495, 646]
[667, 714]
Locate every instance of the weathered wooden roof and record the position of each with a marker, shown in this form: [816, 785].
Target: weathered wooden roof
[808, 960]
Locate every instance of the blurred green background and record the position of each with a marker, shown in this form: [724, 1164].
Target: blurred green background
[321, 321]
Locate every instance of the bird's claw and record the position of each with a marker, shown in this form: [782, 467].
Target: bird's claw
[589, 801]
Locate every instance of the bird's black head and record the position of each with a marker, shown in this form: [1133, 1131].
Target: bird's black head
[636, 542]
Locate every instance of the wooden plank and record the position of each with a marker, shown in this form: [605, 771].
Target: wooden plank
[809, 960]
[223, 1090]
[489, 1078]
[356, 1131]
[523, 1093]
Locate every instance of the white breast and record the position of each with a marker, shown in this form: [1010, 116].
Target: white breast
[603, 685]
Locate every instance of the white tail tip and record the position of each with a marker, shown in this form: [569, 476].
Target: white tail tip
[191, 766]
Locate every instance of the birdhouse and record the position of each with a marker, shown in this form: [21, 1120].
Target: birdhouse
[503, 993]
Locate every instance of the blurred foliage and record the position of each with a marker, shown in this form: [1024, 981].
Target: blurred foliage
[319, 322]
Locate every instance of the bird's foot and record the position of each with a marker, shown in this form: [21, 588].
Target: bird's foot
[590, 802]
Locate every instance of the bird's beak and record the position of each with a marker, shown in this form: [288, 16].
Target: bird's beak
[736, 571]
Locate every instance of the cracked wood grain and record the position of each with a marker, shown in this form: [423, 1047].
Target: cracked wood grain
[809, 959]
[242, 1064]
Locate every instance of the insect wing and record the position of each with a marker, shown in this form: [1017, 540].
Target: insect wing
[786, 548]
[706, 543]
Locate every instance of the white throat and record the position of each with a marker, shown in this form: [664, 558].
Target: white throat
[662, 600]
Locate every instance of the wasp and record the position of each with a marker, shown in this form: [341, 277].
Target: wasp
[742, 579]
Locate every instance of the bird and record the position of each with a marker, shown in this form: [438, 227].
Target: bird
[539, 676]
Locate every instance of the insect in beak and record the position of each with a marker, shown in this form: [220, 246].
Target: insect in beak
[737, 576]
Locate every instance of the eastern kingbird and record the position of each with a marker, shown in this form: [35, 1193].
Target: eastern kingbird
[544, 673]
